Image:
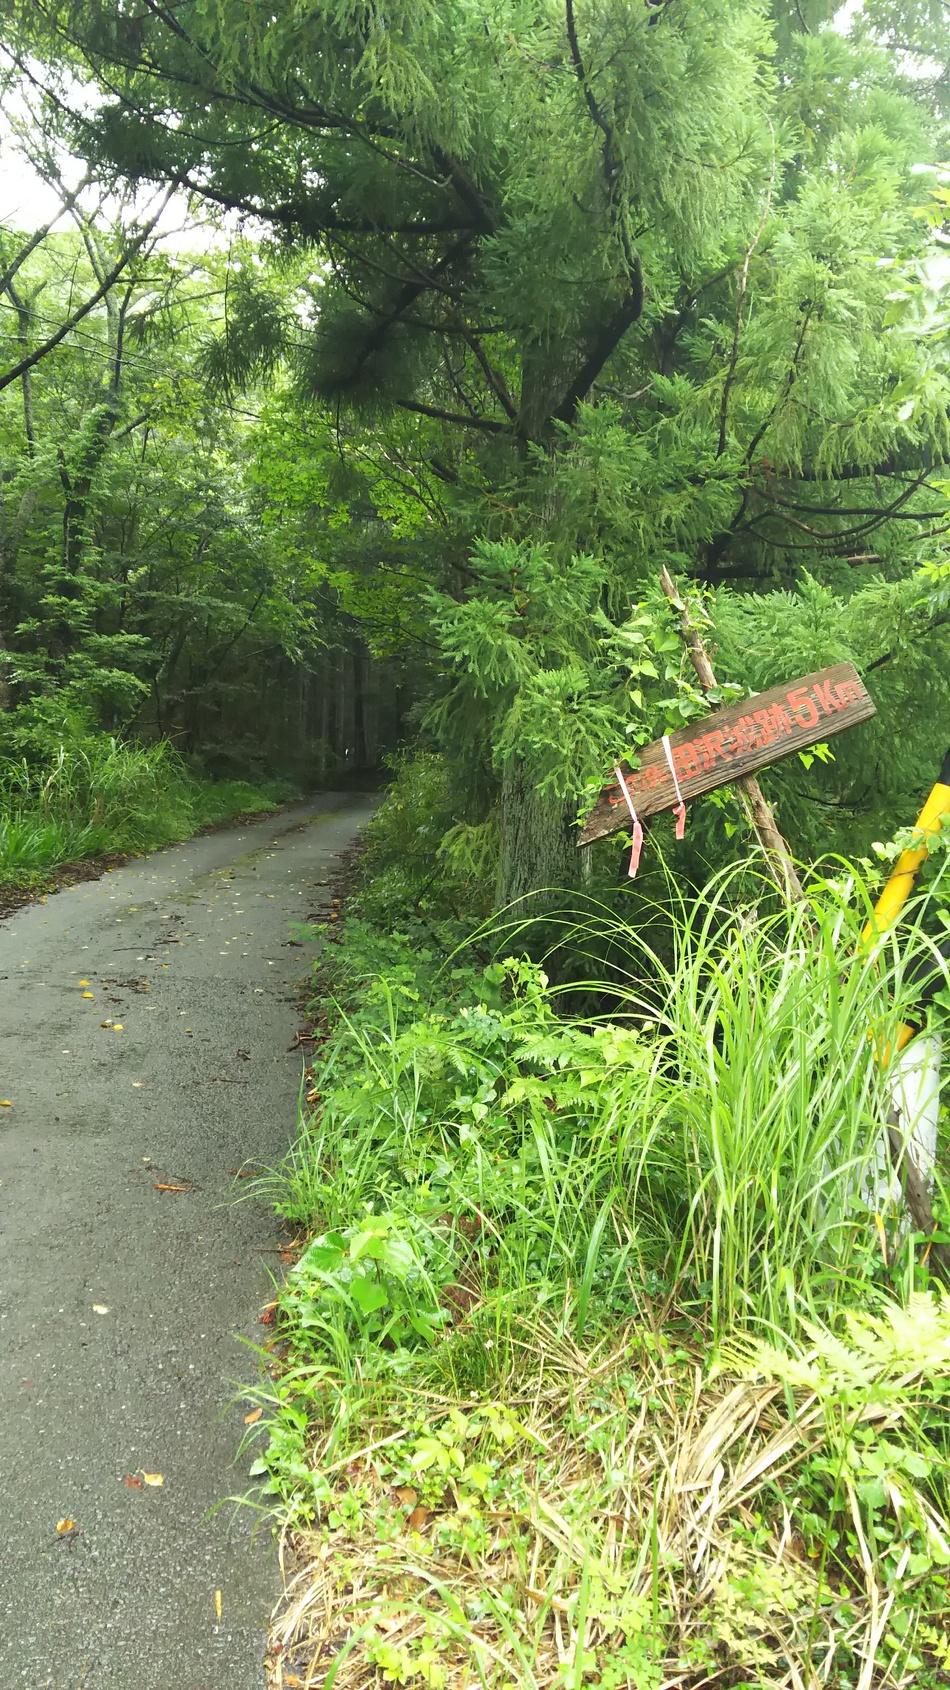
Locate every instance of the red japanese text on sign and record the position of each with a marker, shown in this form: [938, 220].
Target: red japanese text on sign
[736, 741]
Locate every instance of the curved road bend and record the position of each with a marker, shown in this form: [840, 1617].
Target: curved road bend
[188, 950]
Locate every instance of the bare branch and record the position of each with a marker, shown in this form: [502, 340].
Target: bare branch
[487, 424]
[35, 240]
[108, 281]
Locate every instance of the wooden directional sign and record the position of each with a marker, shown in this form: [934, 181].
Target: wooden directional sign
[730, 743]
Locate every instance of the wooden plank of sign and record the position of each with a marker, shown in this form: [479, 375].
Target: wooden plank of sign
[720, 748]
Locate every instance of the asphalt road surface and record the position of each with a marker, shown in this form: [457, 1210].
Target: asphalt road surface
[121, 1305]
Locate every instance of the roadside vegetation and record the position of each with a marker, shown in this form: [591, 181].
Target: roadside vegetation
[601, 1364]
[74, 793]
[598, 1367]
[172, 650]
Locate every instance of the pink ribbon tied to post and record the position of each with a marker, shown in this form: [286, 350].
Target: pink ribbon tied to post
[680, 810]
[637, 845]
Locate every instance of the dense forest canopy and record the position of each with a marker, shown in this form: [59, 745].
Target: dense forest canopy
[154, 570]
[529, 301]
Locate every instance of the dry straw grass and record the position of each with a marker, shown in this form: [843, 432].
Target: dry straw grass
[660, 1547]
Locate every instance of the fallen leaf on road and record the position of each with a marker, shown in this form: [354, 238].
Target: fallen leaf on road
[84, 982]
[132, 1481]
[252, 1418]
[88, 994]
[217, 1604]
[153, 1478]
[160, 1187]
[100, 1308]
[6, 1103]
[117, 1027]
[105, 1023]
[65, 1525]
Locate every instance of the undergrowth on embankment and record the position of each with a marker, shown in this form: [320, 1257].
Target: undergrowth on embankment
[69, 792]
[598, 1367]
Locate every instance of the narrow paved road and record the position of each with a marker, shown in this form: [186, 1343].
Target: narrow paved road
[188, 950]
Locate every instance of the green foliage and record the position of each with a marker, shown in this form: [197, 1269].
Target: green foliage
[419, 856]
[765, 639]
[150, 578]
[726, 1152]
[68, 791]
[554, 297]
[370, 1284]
[573, 1267]
[878, 1488]
[564, 295]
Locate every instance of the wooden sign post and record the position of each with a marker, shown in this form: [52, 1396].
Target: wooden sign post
[730, 745]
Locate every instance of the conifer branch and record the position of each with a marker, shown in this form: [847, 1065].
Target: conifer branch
[630, 308]
[791, 376]
[489, 425]
[877, 511]
[494, 378]
[733, 364]
[626, 314]
[912, 639]
[581, 73]
[412, 290]
[308, 216]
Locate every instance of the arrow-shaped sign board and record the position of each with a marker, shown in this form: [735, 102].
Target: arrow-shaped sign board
[720, 748]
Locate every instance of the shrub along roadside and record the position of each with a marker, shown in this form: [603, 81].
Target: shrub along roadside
[79, 794]
[598, 1371]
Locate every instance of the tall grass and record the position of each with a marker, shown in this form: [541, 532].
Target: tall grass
[94, 793]
[673, 1410]
[757, 1122]
[710, 1131]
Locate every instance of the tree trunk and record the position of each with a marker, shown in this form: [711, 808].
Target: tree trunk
[342, 718]
[360, 759]
[370, 711]
[6, 700]
[537, 851]
[323, 735]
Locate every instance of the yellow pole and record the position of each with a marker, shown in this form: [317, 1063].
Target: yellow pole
[904, 873]
[901, 881]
